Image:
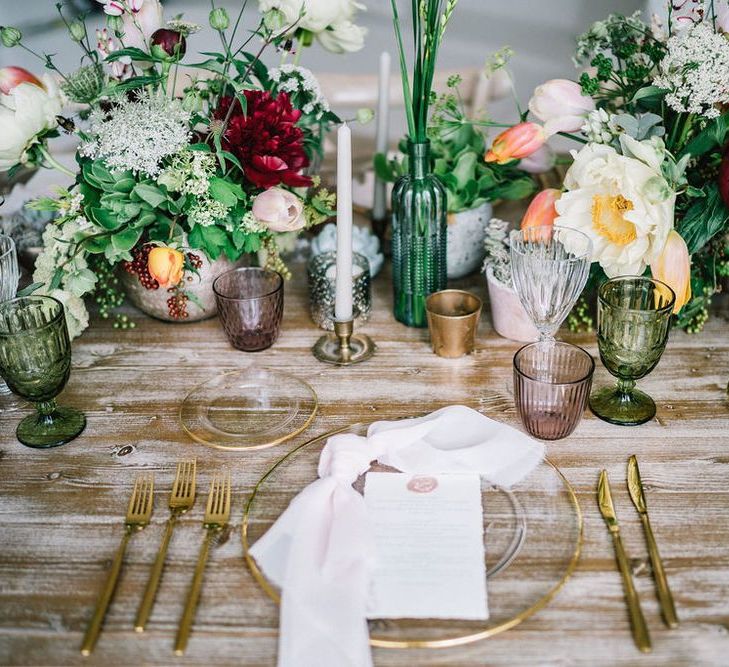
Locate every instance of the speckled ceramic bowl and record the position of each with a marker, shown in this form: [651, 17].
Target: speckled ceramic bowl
[154, 302]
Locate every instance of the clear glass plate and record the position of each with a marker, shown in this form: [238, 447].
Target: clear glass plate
[253, 408]
[532, 532]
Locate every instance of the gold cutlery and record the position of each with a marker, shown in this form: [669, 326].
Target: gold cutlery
[138, 515]
[637, 621]
[635, 488]
[217, 514]
[182, 499]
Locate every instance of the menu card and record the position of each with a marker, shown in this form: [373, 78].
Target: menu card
[430, 560]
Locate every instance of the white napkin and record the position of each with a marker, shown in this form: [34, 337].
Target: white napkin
[320, 552]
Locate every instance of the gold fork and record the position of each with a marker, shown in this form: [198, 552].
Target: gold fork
[217, 514]
[181, 500]
[138, 515]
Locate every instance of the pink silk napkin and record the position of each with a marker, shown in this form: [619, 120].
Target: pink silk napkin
[320, 552]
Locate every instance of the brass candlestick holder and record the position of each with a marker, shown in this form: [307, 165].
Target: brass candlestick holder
[343, 347]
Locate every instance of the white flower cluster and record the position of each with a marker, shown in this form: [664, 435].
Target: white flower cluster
[600, 127]
[301, 82]
[77, 279]
[695, 71]
[207, 212]
[251, 225]
[138, 134]
[189, 172]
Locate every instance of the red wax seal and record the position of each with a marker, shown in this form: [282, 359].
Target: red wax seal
[422, 484]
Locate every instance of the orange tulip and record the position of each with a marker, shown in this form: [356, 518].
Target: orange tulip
[541, 211]
[14, 76]
[673, 267]
[515, 143]
[166, 266]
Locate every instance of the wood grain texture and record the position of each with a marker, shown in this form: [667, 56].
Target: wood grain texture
[61, 509]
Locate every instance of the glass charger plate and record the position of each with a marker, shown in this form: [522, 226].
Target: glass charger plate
[533, 536]
[252, 408]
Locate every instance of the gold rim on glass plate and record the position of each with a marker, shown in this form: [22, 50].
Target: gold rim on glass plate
[209, 440]
[382, 642]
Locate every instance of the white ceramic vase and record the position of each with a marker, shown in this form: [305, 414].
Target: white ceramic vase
[154, 302]
[466, 234]
[508, 316]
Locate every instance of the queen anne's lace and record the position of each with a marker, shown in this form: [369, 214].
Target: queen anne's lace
[138, 134]
[696, 71]
[300, 81]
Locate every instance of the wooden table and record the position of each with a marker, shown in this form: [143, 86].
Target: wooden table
[61, 509]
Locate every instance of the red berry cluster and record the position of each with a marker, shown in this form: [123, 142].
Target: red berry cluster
[177, 304]
[138, 266]
[195, 260]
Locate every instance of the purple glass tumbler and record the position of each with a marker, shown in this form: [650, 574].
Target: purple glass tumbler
[552, 383]
[250, 306]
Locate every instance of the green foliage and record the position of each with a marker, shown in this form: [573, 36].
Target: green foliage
[458, 146]
[704, 219]
[122, 206]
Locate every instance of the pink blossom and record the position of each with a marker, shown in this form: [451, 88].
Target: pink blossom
[279, 210]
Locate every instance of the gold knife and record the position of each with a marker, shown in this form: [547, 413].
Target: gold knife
[637, 621]
[635, 488]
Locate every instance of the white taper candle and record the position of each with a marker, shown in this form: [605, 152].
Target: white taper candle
[379, 203]
[343, 294]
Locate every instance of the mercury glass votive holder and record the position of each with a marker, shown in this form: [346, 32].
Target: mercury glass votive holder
[322, 270]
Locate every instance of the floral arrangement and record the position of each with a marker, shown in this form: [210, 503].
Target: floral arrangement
[650, 184]
[170, 165]
[458, 146]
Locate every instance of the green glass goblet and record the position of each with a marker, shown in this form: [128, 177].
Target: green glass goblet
[35, 360]
[633, 318]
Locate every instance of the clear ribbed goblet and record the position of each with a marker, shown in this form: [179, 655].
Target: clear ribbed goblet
[549, 266]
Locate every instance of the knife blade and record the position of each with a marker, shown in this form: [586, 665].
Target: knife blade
[637, 495]
[641, 637]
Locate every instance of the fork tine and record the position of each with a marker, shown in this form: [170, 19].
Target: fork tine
[190, 478]
[211, 495]
[133, 497]
[149, 498]
[178, 478]
[226, 506]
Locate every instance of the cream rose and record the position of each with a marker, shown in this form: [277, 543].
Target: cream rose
[25, 112]
[279, 210]
[622, 203]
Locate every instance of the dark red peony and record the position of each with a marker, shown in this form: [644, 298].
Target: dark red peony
[266, 139]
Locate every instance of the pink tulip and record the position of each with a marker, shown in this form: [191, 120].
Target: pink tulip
[673, 267]
[561, 106]
[14, 76]
[541, 211]
[515, 143]
[279, 210]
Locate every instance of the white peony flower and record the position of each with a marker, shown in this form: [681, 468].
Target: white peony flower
[26, 111]
[614, 199]
[343, 37]
[331, 21]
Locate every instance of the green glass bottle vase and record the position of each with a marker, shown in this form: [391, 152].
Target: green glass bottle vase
[418, 237]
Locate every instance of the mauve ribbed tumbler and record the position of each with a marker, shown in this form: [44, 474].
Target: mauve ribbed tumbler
[552, 383]
[250, 306]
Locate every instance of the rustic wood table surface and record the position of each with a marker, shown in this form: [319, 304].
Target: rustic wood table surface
[61, 509]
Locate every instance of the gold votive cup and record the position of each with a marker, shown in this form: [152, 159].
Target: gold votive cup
[453, 317]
